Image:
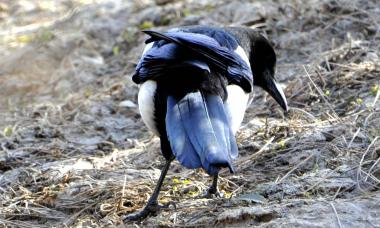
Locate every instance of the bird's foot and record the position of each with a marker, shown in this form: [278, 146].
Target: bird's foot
[152, 208]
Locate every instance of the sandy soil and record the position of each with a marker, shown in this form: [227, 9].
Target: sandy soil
[74, 151]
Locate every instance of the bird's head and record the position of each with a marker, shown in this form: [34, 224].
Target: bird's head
[263, 63]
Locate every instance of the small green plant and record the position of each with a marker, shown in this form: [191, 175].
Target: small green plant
[176, 181]
[374, 90]
[227, 195]
[88, 92]
[282, 144]
[129, 34]
[27, 38]
[186, 12]
[359, 101]
[45, 35]
[146, 25]
[116, 50]
[166, 20]
[193, 193]
[8, 131]
[307, 195]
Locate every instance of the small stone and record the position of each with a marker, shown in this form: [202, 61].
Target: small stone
[127, 104]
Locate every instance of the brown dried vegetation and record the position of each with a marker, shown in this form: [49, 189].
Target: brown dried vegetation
[74, 150]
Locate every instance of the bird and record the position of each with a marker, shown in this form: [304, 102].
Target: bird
[195, 83]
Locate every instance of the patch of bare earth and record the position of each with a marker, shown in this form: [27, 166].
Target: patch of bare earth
[74, 151]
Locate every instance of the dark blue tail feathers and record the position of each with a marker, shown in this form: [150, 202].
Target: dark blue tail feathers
[199, 132]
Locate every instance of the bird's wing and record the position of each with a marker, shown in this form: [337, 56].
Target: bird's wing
[176, 46]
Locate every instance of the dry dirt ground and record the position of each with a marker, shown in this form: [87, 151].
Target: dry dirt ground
[74, 151]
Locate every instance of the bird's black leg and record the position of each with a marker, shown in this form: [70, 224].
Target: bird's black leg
[152, 207]
[213, 189]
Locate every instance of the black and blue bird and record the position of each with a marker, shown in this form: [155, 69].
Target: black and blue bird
[195, 85]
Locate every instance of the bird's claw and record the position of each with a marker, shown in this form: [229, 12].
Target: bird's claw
[150, 209]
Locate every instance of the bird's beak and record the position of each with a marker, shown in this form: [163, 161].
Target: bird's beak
[274, 89]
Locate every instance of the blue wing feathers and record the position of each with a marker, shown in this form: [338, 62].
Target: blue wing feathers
[179, 142]
[199, 132]
[221, 124]
[221, 36]
[194, 42]
[160, 61]
[175, 47]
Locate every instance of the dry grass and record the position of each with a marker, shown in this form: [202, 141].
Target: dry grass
[74, 156]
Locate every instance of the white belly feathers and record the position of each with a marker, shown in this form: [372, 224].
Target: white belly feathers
[146, 100]
[236, 105]
[146, 104]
